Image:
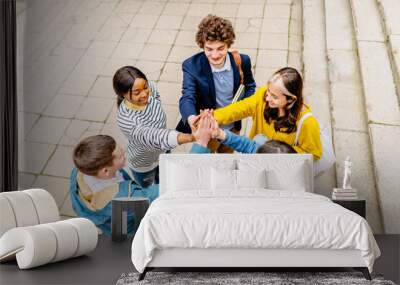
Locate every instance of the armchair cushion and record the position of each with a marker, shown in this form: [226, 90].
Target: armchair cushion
[31, 232]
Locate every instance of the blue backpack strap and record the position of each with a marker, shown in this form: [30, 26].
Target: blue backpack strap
[152, 192]
[125, 174]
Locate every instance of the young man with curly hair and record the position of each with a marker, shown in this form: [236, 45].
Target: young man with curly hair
[212, 77]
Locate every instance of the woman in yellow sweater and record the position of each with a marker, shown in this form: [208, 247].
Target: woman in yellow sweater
[276, 110]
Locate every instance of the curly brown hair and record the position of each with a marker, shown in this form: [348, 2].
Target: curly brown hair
[214, 28]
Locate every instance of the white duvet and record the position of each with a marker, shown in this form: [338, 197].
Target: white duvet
[250, 219]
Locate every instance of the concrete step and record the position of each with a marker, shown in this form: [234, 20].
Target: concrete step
[381, 101]
[372, 53]
[394, 44]
[384, 139]
[389, 10]
[351, 137]
[387, 168]
[316, 81]
[382, 106]
[295, 48]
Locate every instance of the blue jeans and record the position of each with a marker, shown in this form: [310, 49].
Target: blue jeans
[145, 179]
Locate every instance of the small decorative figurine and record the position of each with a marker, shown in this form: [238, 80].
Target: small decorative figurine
[347, 173]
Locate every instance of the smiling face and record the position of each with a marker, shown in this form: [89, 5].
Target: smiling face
[139, 93]
[278, 96]
[216, 52]
[275, 97]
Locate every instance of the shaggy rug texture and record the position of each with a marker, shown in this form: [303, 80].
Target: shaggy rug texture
[242, 278]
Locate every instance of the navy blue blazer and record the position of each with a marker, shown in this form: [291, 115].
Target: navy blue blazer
[198, 90]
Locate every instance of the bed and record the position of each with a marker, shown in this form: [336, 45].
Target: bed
[247, 210]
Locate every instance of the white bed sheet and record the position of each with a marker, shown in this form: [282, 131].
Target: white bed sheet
[252, 218]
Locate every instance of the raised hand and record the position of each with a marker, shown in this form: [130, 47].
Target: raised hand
[193, 121]
[203, 133]
[217, 132]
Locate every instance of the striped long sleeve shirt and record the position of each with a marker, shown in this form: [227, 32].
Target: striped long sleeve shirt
[146, 132]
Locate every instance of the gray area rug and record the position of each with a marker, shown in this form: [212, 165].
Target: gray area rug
[270, 278]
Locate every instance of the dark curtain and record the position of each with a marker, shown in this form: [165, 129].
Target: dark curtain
[8, 97]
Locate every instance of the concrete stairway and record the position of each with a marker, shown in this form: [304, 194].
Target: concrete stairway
[351, 72]
[382, 104]
[350, 123]
[389, 10]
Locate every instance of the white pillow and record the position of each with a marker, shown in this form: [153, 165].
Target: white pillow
[291, 179]
[251, 178]
[183, 177]
[223, 179]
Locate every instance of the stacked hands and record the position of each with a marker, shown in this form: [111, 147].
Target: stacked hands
[205, 127]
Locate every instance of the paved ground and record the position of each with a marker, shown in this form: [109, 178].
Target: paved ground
[68, 51]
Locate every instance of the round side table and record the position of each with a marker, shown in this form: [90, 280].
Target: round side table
[119, 219]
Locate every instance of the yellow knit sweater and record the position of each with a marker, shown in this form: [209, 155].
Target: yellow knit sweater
[253, 106]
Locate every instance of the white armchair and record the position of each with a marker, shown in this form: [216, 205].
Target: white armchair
[31, 232]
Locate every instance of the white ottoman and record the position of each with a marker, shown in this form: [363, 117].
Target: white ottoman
[31, 232]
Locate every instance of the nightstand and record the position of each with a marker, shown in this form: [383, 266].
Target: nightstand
[357, 206]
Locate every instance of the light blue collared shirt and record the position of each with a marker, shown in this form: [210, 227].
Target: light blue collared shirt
[223, 82]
